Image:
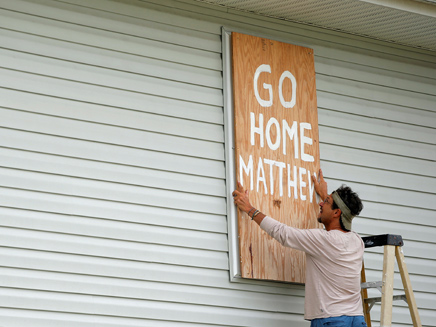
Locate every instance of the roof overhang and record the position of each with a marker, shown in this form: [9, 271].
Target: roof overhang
[406, 22]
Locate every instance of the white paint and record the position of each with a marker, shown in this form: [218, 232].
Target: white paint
[248, 169]
[311, 186]
[271, 174]
[276, 144]
[261, 176]
[288, 104]
[259, 70]
[282, 133]
[292, 182]
[305, 140]
[296, 181]
[293, 135]
[302, 171]
[256, 130]
[268, 103]
[281, 166]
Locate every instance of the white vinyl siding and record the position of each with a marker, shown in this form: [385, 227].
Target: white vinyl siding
[112, 176]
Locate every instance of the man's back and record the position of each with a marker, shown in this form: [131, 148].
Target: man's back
[334, 261]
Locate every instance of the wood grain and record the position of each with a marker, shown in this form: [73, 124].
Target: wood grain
[261, 256]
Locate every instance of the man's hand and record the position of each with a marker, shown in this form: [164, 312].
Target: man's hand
[321, 186]
[240, 197]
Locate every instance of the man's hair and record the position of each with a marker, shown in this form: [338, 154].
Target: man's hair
[351, 200]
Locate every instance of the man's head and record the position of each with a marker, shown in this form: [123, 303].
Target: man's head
[339, 208]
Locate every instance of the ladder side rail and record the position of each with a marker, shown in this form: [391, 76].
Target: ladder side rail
[387, 286]
[364, 294]
[407, 287]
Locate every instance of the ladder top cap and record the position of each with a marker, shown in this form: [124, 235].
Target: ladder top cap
[381, 240]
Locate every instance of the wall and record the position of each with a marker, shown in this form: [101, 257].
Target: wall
[112, 186]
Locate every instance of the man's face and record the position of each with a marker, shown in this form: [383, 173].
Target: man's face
[326, 212]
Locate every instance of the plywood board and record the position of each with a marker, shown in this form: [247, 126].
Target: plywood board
[276, 149]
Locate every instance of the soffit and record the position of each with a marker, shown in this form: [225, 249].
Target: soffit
[406, 22]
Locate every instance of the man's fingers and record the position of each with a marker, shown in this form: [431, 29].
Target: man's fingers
[239, 190]
[321, 176]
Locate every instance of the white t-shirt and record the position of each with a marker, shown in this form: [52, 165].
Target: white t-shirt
[333, 266]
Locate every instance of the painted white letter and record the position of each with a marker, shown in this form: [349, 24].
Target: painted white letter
[302, 171]
[254, 129]
[293, 134]
[289, 104]
[247, 168]
[271, 175]
[281, 165]
[311, 187]
[293, 182]
[305, 140]
[272, 146]
[263, 103]
[261, 178]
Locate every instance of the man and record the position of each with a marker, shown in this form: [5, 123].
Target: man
[333, 256]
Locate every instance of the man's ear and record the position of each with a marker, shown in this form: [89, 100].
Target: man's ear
[337, 213]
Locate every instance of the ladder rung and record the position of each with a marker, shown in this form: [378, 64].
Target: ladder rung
[378, 284]
[378, 299]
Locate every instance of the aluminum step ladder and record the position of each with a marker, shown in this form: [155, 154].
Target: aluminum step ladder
[392, 248]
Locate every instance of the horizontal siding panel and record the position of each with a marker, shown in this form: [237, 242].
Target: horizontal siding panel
[101, 38]
[377, 160]
[385, 178]
[152, 291]
[83, 149]
[138, 103]
[386, 57]
[359, 140]
[401, 316]
[115, 230]
[133, 119]
[80, 188]
[378, 127]
[375, 109]
[29, 259]
[126, 84]
[423, 286]
[96, 305]
[26, 46]
[104, 96]
[398, 213]
[101, 133]
[126, 175]
[134, 82]
[156, 12]
[134, 289]
[375, 92]
[366, 227]
[415, 266]
[100, 247]
[22, 317]
[120, 24]
[373, 75]
[112, 210]
[413, 249]
[384, 195]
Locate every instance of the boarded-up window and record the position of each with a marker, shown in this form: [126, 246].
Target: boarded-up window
[276, 149]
